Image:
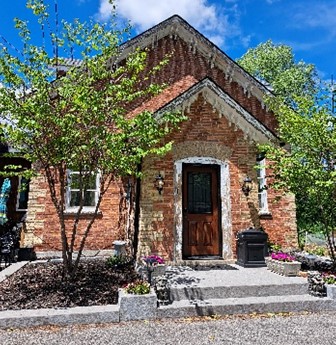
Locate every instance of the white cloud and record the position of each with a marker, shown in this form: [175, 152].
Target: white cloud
[317, 15]
[146, 13]
[214, 21]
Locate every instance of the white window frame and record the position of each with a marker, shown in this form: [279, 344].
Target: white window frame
[19, 193]
[85, 209]
[262, 186]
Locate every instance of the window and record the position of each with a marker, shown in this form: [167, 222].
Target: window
[23, 194]
[262, 187]
[90, 192]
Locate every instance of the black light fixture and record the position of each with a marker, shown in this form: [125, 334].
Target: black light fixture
[159, 183]
[247, 185]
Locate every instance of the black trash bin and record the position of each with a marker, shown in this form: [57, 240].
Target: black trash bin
[251, 248]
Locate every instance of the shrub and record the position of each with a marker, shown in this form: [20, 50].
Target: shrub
[118, 260]
[316, 250]
[138, 287]
[273, 247]
[329, 278]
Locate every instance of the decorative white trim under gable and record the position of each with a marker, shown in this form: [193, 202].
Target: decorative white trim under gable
[254, 130]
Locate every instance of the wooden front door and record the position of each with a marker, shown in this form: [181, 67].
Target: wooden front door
[200, 211]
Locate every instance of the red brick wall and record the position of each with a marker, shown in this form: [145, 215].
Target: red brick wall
[43, 229]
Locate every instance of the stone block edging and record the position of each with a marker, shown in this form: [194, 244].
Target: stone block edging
[77, 315]
[8, 271]
[331, 291]
[130, 307]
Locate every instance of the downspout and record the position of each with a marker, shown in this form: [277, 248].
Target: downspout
[137, 212]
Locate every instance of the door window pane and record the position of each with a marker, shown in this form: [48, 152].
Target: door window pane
[199, 192]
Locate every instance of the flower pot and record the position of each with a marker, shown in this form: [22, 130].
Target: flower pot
[331, 291]
[290, 269]
[155, 271]
[268, 261]
[137, 307]
[284, 268]
[158, 270]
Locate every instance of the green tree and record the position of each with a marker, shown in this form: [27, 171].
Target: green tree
[307, 169]
[78, 121]
[306, 124]
[275, 65]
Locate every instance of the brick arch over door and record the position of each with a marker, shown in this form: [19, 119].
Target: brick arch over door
[225, 204]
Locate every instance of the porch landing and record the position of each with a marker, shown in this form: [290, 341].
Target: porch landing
[238, 291]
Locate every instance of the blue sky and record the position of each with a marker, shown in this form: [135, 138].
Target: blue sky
[308, 26]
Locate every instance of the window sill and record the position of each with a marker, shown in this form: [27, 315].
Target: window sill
[86, 212]
[265, 215]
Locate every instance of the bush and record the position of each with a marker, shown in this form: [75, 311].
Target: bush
[118, 261]
[316, 250]
[329, 278]
[139, 287]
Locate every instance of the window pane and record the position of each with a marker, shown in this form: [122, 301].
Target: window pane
[89, 182]
[261, 201]
[74, 198]
[74, 181]
[89, 199]
[23, 194]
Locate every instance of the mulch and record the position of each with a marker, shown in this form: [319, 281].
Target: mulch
[40, 285]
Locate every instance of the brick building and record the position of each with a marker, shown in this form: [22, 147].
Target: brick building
[201, 206]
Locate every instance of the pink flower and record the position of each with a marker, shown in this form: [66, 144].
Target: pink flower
[282, 257]
[153, 260]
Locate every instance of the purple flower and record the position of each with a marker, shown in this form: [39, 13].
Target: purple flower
[153, 260]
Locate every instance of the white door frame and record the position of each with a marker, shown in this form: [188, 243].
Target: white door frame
[225, 204]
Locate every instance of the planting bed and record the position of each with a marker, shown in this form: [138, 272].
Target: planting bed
[40, 285]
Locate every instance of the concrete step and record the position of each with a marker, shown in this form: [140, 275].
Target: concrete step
[247, 305]
[178, 293]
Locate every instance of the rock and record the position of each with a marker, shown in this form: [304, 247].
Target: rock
[162, 290]
[316, 285]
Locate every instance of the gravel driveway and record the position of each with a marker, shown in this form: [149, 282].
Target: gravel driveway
[294, 329]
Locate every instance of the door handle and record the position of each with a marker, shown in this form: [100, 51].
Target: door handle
[185, 212]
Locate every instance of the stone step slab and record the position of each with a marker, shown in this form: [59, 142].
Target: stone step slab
[247, 305]
[223, 292]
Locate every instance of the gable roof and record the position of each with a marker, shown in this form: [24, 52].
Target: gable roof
[176, 26]
[226, 106]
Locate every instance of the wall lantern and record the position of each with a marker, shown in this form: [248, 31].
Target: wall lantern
[159, 183]
[247, 185]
